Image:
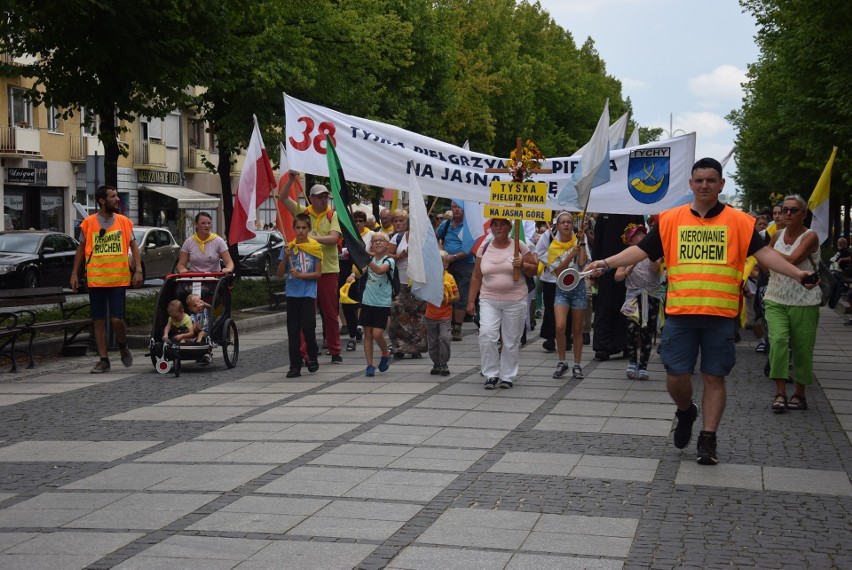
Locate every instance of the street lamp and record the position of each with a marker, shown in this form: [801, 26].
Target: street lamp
[672, 132]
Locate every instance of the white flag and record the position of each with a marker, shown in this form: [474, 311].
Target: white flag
[594, 165]
[425, 268]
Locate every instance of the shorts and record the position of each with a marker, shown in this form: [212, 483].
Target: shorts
[103, 298]
[575, 298]
[683, 337]
[461, 272]
[375, 317]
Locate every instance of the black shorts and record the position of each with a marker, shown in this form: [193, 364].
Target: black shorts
[376, 317]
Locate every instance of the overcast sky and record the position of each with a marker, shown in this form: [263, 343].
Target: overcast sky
[680, 58]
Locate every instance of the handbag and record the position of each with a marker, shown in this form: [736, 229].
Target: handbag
[828, 286]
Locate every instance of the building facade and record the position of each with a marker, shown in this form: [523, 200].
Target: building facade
[50, 167]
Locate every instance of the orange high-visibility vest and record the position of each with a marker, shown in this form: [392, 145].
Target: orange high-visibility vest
[107, 254]
[705, 258]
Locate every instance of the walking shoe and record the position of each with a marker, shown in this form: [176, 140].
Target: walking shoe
[100, 367]
[505, 384]
[631, 370]
[312, 365]
[561, 369]
[491, 383]
[359, 333]
[351, 345]
[445, 371]
[294, 373]
[760, 348]
[371, 370]
[126, 357]
[642, 374]
[549, 345]
[457, 332]
[683, 429]
[577, 372]
[384, 363]
[206, 359]
[707, 448]
[436, 370]
[336, 359]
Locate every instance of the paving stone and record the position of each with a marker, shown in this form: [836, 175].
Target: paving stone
[722, 475]
[461, 437]
[143, 511]
[430, 557]
[171, 477]
[70, 451]
[308, 556]
[407, 435]
[326, 481]
[807, 481]
[525, 561]
[182, 413]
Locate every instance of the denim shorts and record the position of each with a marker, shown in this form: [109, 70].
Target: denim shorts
[103, 298]
[574, 299]
[685, 335]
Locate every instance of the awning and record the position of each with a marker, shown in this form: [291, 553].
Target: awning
[186, 199]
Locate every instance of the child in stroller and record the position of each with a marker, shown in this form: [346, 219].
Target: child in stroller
[179, 326]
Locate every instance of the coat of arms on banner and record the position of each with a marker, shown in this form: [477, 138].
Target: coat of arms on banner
[648, 174]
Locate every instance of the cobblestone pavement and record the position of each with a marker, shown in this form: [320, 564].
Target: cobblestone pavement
[246, 469]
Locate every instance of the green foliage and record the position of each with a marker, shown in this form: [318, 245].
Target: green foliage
[485, 71]
[119, 59]
[797, 104]
[140, 309]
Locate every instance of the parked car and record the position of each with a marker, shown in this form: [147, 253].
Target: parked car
[36, 258]
[260, 254]
[159, 251]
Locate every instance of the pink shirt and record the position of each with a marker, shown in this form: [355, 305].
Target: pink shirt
[498, 283]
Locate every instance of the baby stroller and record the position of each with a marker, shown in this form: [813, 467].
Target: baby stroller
[214, 289]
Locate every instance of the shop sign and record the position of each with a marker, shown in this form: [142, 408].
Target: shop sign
[21, 175]
[159, 177]
[40, 167]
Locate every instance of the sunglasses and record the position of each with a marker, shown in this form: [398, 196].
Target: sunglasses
[790, 210]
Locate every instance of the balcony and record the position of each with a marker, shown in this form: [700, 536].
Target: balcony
[19, 140]
[83, 146]
[149, 154]
[196, 159]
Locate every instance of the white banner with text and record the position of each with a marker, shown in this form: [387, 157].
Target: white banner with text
[646, 179]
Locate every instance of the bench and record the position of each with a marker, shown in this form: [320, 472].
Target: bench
[277, 287]
[19, 320]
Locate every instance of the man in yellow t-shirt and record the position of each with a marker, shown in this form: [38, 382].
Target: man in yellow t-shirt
[325, 230]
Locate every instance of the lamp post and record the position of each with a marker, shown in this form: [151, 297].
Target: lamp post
[672, 132]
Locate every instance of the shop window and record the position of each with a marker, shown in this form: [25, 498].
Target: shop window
[13, 210]
[52, 208]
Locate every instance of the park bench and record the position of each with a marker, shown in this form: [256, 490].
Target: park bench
[277, 290]
[20, 320]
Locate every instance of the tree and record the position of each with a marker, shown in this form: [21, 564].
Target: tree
[797, 104]
[118, 59]
[334, 54]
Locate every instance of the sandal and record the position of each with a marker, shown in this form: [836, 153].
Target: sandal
[780, 403]
[797, 403]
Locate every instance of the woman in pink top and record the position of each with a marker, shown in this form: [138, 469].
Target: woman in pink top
[502, 303]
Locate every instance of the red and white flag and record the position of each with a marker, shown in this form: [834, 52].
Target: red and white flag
[283, 218]
[256, 183]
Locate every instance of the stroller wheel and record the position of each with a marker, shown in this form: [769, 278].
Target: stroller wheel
[231, 344]
[177, 366]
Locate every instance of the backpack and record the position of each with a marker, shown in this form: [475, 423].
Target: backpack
[394, 279]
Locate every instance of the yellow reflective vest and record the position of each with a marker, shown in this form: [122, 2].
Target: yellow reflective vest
[107, 263]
